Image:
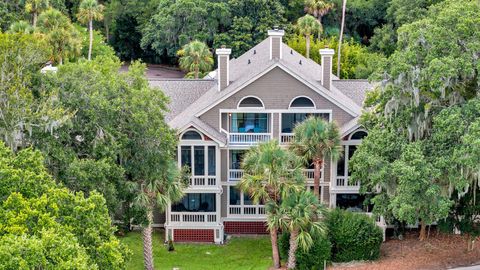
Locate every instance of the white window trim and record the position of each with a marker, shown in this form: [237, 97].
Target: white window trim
[255, 108]
[297, 97]
[194, 130]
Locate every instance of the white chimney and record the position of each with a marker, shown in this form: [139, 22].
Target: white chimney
[326, 75]
[223, 75]
[275, 37]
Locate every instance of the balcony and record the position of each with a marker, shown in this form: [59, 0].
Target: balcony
[194, 218]
[252, 211]
[286, 138]
[248, 138]
[235, 174]
[343, 182]
[203, 181]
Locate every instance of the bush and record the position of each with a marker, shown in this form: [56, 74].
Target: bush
[354, 236]
[308, 260]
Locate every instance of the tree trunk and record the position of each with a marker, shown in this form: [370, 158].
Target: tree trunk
[90, 29]
[147, 242]
[422, 231]
[307, 45]
[292, 260]
[316, 177]
[34, 22]
[340, 40]
[275, 254]
[196, 72]
[107, 31]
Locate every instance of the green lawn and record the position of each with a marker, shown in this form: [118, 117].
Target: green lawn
[238, 253]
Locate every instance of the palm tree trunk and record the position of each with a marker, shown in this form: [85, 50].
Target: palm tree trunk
[90, 29]
[307, 44]
[340, 40]
[34, 22]
[275, 254]
[196, 72]
[422, 231]
[316, 177]
[292, 260]
[147, 242]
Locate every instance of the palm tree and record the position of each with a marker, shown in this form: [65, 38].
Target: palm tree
[88, 11]
[36, 7]
[271, 173]
[158, 192]
[195, 57]
[318, 8]
[60, 34]
[307, 26]
[301, 214]
[314, 139]
[340, 40]
[21, 27]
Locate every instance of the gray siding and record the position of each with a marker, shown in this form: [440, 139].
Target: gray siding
[276, 89]
[223, 64]
[224, 165]
[326, 170]
[327, 72]
[224, 202]
[276, 43]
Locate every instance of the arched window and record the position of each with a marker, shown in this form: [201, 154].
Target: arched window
[358, 135]
[191, 135]
[302, 102]
[250, 102]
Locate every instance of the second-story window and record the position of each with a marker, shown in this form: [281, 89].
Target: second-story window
[199, 158]
[249, 123]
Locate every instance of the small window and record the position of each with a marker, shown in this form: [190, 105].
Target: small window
[191, 135]
[251, 102]
[302, 102]
[358, 135]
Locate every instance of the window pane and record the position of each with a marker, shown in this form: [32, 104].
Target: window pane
[211, 160]
[289, 120]
[302, 102]
[191, 135]
[236, 157]
[199, 160]
[234, 196]
[186, 156]
[341, 166]
[351, 150]
[251, 102]
[249, 122]
[247, 200]
[358, 135]
[351, 202]
[196, 202]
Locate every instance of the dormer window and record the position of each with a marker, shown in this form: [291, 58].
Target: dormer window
[250, 102]
[302, 102]
[191, 135]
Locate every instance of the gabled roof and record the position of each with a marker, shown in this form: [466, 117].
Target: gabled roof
[191, 98]
[182, 93]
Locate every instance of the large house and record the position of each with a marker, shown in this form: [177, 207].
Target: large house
[256, 97]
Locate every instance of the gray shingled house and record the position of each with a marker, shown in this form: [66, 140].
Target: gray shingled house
[256, 97]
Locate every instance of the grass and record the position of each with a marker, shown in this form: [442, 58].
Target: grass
[247, 253]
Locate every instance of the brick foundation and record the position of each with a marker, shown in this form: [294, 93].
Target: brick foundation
[245, 227]
[193, 235]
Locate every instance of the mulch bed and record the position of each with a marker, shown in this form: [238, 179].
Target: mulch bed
[440, 251]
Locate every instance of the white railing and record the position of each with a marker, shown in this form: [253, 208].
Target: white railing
[235, 174]
[344, 182]
[286, 138]
[248, 138]
[246, 210]
[310, 174]
[203, 181]
[193, 217]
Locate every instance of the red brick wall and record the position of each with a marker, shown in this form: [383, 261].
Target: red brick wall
[193, 235]
[245, 227]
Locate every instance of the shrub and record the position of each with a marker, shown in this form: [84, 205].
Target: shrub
[354, 236]
[308, 260]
